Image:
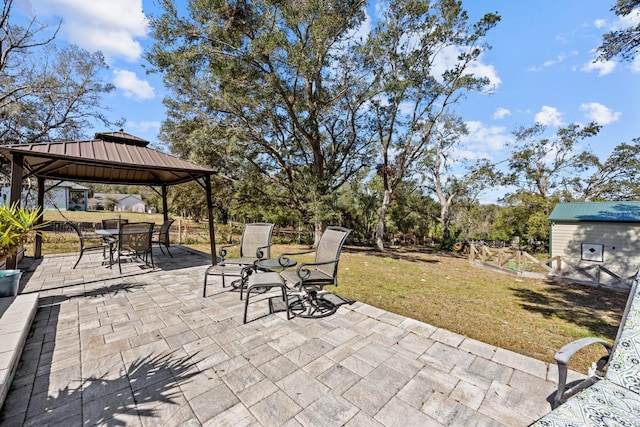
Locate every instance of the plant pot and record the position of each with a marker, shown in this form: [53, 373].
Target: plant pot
[9, 282]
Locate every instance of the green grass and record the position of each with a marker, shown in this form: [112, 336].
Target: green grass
[528, 316]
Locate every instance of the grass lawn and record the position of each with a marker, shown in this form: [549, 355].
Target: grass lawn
[529, 316]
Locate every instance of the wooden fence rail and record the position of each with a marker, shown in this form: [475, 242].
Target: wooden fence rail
[518, 262]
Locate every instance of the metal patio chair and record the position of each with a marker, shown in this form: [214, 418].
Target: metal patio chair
[311, 278]
[113, 224]
[161, 238]
[254, 246]
[134, 242]
[92, 243]
[611, 396]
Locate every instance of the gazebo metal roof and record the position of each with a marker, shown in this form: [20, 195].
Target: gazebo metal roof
[114, 157]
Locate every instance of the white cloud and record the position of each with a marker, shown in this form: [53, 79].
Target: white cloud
[602, 67]
[362, 32]
[448, 58]
[599, 23]
[128, 82]
[635, 65]
[600, 113]
[501, 113]
[549, 116]
[143, 126]
[110, 26]
[560, 58]
[483, 139]
[630, 20]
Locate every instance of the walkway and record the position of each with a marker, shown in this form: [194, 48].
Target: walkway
[145, 348]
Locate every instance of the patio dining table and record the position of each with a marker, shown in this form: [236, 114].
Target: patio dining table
[108, 232]
[276, 264]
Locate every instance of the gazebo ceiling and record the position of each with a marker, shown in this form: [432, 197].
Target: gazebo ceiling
[114, 157]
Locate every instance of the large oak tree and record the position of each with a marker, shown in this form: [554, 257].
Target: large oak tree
[270, 85]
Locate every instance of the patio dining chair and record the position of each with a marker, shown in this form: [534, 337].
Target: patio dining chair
[161, 238]
[311, 278]
[134, 242]
[92, 243]
[113, 224]
[611, 395]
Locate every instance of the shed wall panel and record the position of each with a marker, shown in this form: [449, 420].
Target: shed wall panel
[621, 244]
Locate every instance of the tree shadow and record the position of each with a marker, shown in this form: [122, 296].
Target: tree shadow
[93, 293]
[405, 253]
[147, 383]
[598, 310]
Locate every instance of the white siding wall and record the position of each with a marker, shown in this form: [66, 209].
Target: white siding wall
[621, 244]
[57, 195]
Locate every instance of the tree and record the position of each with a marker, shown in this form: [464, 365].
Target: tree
[615, 179]
[547, 165]
[626, 41]
[401, 54]
[545, 170]
[46, 93]
[276, 84]
[440, 176]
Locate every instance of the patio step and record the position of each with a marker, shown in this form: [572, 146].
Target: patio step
[16, 316]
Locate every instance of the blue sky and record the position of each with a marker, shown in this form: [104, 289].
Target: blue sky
[541, 65]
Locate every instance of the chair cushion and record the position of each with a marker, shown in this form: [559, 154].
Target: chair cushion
[602, 404]
[624, 364]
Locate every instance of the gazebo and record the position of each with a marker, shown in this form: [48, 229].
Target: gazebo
[114, 157]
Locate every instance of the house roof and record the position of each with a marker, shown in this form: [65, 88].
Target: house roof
[67, 184]
[115, 157]
[597, 211]
[117, 197]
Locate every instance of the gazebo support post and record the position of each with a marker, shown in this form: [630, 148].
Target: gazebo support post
[37, 252]
[212, 234]
[16, 179]
[16, 197]
[165, 206]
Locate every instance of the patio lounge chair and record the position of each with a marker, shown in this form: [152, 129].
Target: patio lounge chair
[254, 246]
[311, 278]
[161, 238]
[612, 395]
[92, 243]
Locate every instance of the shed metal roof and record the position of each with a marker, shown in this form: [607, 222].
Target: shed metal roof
[115, 157]
[597, 211]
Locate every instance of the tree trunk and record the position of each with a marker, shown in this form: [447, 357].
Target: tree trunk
[444, 222]
[317, 233]
[386, 200]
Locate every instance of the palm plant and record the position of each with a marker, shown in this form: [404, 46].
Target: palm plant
[18, 225]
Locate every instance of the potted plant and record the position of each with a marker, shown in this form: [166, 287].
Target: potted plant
[17, 226]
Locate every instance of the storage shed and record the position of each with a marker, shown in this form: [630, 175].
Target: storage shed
[590, 234]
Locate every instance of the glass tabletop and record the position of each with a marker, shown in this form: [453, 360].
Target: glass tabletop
[275, 264]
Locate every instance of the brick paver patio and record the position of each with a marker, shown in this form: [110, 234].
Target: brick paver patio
[145, 348]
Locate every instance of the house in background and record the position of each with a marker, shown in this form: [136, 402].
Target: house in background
[117, 202]
[59, 195]
[591, 234]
